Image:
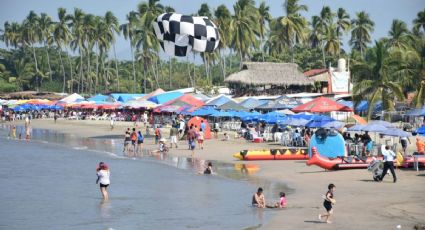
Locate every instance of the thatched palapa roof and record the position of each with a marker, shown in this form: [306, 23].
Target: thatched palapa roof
[268, 73]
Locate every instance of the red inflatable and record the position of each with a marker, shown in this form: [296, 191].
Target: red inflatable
[340, 162]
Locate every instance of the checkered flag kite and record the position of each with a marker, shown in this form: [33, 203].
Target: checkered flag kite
[179, 34]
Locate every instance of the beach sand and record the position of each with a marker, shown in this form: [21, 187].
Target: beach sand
[361, 202]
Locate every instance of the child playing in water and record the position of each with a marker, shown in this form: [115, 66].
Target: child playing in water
[282, 201]
[327, 203]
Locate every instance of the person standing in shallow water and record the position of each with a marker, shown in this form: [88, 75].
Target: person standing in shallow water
[103, 175]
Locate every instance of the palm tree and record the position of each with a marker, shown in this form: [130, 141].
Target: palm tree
[61, 36]
[146, 39]
[293, 24]
[23, 72]
[360, 35]
[89, 25]
[30, 34]
[332, 43]
[222, 20]
[343, 23]
[46, 24]
[169, 9]
[245, 28]
[265, 17]
[398, 34]
[127, 30]
[377, 81]
[76, 24]
[419, 22]
[321, 29]
[113, 28]
[12, 35]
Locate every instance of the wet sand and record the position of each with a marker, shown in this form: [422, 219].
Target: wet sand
[361, 202]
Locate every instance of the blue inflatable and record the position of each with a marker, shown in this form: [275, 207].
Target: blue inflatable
[329, 146]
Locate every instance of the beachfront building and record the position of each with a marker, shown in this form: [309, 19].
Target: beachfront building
[320, 77]
[266, 78]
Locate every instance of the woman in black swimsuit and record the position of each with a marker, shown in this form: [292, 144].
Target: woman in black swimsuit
[327, 203]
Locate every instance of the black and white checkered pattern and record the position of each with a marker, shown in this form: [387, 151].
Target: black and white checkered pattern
[179, 34]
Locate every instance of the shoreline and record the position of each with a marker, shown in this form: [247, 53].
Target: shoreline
[367, 203]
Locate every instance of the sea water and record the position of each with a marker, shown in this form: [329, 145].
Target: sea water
[46, 184]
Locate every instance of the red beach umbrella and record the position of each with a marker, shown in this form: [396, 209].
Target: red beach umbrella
[322, 105]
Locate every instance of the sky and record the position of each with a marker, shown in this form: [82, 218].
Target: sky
[382, 12]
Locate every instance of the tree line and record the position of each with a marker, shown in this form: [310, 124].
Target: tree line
[38, 54]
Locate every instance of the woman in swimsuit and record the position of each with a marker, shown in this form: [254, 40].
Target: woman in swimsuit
[103, 179]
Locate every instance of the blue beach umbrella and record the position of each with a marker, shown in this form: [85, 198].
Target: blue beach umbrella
[221, 114]
[294, 122]
[377, 128]
[356, 128]
[383, 123]
[421, 131]
[19, 109]
[318, 121]
[303, 115]
[334, 124]
[396, 133]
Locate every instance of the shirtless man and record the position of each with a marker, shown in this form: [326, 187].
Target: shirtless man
[258, 199]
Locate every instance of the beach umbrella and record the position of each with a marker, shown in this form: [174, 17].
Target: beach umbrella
[321, 105]
[416, 112]
[318, 121]
[275, 119]
[383, 123]
[334, 124]
[204, 111]
[295, 122]
[303, 115]
[221, 114]
[396, 133]
[286, 112]
[19, 109]
[356, 128]
[421, 130]
[251, 117]
[377, 128]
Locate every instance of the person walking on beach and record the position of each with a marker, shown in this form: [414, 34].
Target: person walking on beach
[201, 138]
[127, 140]
[133, 138]
[327, 203]
[389, 156]
[112, 123]
[191, 137]
[258, 199]
[157, 134]
[203, 125]
[173, 136]
[13, 132]
[103, 175]
[140, 140]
